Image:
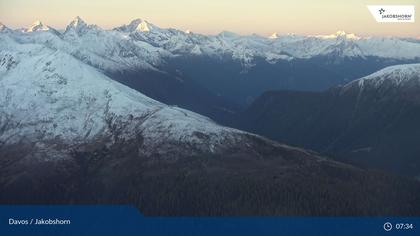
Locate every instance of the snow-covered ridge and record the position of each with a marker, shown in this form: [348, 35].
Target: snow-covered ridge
[141, 44]
[396, 75]
[47, 94]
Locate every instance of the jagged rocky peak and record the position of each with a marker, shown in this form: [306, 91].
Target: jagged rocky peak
[37, 26]
[77, 24]
[139, 25]
[142, 25]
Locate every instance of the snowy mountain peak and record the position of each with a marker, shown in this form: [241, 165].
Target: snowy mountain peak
[273, 36]
[77, 24]
[37, 26]
[340, 34]
[346, 35]
[143, 27]
[136, 25]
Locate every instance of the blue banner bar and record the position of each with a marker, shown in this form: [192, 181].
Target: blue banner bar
[127, 220]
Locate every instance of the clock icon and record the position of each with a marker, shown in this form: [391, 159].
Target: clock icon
[387, 226]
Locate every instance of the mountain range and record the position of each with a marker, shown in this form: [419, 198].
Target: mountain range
[227, 68]
[91, 116]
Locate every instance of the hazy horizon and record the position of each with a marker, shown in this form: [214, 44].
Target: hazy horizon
[264, 17]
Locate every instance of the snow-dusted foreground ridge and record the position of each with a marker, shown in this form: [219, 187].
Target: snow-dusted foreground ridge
[47, 94]
[407, 75]
[141, 44]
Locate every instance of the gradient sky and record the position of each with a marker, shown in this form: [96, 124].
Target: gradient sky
[213, 16]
